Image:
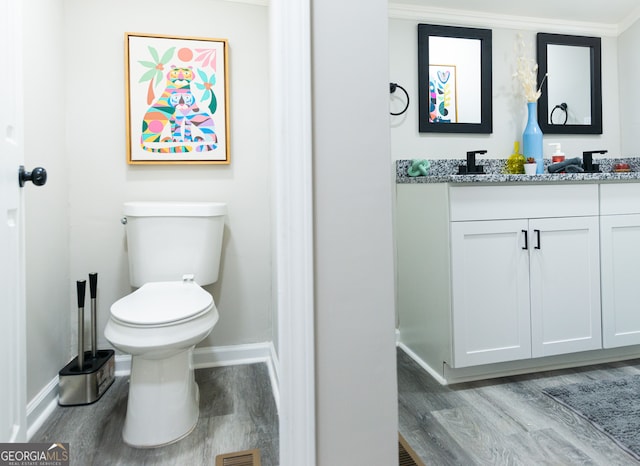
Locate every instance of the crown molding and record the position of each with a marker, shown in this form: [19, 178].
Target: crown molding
[629, 21]
[448, 16]
[250, 2]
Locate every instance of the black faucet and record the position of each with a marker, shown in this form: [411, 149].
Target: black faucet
[471, 168]
[587, 161]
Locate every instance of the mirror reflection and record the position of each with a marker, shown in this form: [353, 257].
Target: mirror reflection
[568, 66]
[454, 87]
[454, 76]
[571, 101]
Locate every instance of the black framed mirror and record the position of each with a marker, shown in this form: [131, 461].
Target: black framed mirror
[454, 79]
[571, 100]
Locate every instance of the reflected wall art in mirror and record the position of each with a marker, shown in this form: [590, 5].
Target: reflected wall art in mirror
[454, 79]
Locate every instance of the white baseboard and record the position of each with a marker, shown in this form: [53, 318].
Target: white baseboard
[123, 365]
[43, 404]
[216, 356]
[523, 366]
[273, 364]
[423, 364]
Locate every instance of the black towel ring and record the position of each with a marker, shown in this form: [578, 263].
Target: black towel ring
[392, 88]
[562, 107]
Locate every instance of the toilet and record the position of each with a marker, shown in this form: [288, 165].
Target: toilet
[174, 249]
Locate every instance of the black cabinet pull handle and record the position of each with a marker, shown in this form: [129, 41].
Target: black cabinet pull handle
[537, 238]
[526, 239]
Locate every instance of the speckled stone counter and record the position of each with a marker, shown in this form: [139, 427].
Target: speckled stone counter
[446, 171]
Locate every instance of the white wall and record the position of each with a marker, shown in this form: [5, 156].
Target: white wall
[74, 127]
[629, 69]
[46, 207]
[101, 180]
[356, 389]
[509, 108]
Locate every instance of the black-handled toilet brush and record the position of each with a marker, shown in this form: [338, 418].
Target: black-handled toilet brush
[93, 287]
[81, 286]
[85, 378]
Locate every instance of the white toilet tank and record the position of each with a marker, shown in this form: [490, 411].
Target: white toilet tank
[167, 240]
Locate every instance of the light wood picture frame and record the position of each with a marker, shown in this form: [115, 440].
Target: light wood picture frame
[177, 99]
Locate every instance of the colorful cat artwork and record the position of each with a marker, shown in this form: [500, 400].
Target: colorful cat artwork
[176, 118]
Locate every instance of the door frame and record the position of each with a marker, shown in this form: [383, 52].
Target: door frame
[291, 146]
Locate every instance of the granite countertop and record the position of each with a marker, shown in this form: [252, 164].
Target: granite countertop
[446, 171]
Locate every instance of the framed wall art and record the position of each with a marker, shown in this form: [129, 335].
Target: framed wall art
[177, 99]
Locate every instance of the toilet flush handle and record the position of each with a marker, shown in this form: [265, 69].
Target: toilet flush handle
[188, 278]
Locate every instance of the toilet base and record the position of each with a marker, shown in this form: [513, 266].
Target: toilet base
[163, 403]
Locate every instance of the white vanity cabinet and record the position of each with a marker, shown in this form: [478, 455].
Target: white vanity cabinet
[525, 272]
[520, 279]
[524, 288]
[565, 286]
[620, 255]
[490, 292]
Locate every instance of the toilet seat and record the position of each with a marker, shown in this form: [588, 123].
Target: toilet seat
[162, 303]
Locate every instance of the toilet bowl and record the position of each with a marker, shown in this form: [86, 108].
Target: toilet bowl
[159, 324]
[170, 245]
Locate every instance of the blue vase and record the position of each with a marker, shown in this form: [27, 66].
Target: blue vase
[532, 137]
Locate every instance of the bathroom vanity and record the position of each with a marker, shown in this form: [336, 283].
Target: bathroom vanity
[502, 274]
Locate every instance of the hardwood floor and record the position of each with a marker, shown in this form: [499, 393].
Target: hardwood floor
[237, 412]
[503, 421]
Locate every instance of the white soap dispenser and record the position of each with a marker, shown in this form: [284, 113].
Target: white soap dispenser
[558, 155]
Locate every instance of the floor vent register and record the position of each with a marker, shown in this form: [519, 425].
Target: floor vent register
[240, 458]
[408, 457]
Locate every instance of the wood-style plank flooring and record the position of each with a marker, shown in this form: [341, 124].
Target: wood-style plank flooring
[492, 422]
[237, 412]
[506, 421]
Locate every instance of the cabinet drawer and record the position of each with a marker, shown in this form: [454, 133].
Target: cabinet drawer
[518, 201]
[620, 198]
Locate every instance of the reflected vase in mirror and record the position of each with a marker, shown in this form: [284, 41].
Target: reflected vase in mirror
[532, 137]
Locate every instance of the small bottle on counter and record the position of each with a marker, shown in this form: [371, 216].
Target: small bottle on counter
[558, 155]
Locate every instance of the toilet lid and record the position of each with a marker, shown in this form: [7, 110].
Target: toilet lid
[162, 303]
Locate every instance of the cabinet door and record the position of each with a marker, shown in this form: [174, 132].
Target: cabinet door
[565, 285]
[620, 255]
[490, 277]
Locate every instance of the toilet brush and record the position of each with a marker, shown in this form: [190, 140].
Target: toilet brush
[87, 376]
[93, 287]
[81, 286]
